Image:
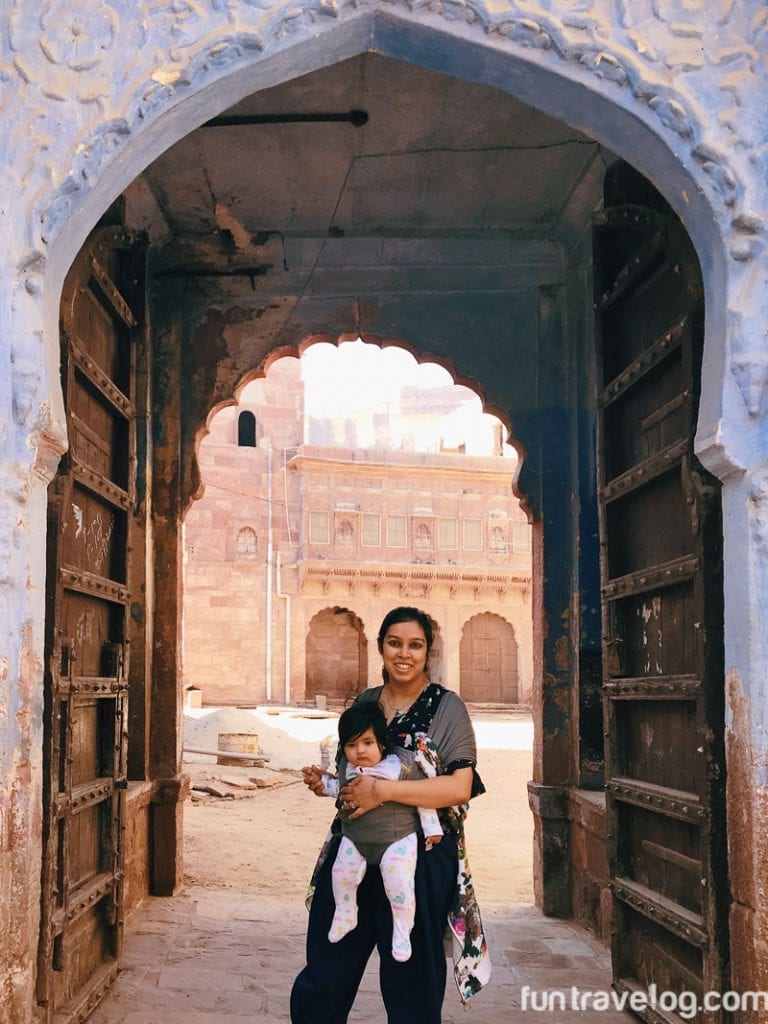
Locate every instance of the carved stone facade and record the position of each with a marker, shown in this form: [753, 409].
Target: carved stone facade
[91, 93]
[328, 523]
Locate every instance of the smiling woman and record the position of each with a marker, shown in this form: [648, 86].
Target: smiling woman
[429, 724]
[404, 650]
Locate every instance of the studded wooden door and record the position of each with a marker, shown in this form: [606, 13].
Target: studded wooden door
[661, 538]
[94, 520]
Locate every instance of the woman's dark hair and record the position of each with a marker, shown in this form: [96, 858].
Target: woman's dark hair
[360, 717]
[405, 614]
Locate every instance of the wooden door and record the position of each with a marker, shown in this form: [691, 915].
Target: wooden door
[488, 661]
[661, 539]
[94, 520]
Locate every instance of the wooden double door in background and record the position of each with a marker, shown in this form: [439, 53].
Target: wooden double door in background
[662, 586]
[96, 518]
[488, 662]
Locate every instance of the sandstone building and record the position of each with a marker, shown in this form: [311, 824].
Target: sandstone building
[295, 551]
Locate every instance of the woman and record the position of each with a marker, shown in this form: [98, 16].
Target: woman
[425, 716]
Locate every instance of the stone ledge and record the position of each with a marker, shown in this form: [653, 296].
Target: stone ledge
[139, 792]
[170, 791]
[586, 807]
[548, 801]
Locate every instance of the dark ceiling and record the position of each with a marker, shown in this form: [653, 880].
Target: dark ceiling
[437, 157]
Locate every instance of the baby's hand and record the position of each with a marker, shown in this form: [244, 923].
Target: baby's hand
[312, 777]
[430, 841]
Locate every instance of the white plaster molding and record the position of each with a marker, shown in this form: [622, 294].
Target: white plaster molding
[81, 79]
[101, 69]
[758, 510]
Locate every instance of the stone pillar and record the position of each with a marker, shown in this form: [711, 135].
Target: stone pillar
[552, 584]
[32, 438]
[451, 646]
[298, 647]
[745, 517]
[524, 635]
[374, 658]
[22, 549]
[165, 702]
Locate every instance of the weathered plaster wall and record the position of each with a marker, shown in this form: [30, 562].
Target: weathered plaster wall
[90, 94]
[745, 514]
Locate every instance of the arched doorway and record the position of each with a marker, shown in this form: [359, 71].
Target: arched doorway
[166, 757]
[337, 658]
[197, 378]
[488, 660]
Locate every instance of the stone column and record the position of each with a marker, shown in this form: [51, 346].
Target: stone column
[170, 787]
[553, 572]
[374, 658]
[451, 646]
[32, 438]
[298, 647]
[523, 635]
[22, 590]
[745, 518]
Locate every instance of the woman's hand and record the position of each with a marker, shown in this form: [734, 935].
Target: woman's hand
[312, 777]
[361, 795]
[364, 793]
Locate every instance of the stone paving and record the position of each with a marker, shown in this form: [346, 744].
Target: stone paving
[208, 957]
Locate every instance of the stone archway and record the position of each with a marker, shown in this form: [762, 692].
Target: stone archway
[631, 82]
[668, 86]
[488, 660]
[336, 658]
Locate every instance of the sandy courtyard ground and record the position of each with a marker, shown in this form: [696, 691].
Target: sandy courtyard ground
[266, 840]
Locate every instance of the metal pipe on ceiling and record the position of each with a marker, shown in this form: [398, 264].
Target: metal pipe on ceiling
[357, 118]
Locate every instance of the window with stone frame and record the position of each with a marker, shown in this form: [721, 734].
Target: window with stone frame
[246, 543]
[397, 532]
[472, 530]
[447, 534]
[521, 537]
[371, 532]
[246, 430]
[318, 527]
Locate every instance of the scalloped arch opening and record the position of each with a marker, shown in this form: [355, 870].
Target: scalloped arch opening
[490, 415]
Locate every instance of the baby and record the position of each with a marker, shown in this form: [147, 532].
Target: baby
[384, 836]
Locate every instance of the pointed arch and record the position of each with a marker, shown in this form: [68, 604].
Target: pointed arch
[221, 401]
[336, 655]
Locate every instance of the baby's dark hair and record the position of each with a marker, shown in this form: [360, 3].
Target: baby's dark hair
[357, 719]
